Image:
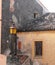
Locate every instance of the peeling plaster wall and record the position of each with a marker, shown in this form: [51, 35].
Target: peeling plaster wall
[48, 38]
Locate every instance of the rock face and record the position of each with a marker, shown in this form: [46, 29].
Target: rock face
[23, 12]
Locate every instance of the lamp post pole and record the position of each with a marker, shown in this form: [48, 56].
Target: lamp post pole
[13, 40]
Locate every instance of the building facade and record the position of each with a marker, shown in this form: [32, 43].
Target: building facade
[17, 11]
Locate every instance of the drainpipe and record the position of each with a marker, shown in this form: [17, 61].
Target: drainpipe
[0, 22]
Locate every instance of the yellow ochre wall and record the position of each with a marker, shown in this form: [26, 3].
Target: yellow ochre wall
[48, 38]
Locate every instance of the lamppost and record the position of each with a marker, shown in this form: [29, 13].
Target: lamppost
[13, 39]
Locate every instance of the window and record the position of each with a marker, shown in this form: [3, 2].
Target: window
[38, 48]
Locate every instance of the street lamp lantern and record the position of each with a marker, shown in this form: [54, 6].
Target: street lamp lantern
[12, 29]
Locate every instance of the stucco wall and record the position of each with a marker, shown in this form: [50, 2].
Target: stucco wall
[2, 59]
[48, 38]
